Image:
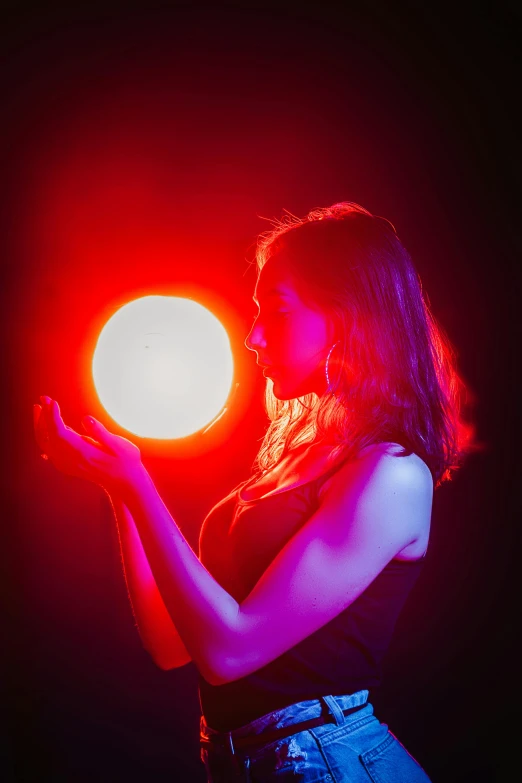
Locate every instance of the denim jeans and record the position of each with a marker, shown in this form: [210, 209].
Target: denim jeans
[356, 748]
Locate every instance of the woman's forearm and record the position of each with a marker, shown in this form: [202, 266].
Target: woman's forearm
[205, 614]
[156, 628]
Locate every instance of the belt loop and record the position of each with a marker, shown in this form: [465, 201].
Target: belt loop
[334, 709]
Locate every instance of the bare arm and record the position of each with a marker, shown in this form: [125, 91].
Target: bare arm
[157, 631]
[156, 628]
[372, 510]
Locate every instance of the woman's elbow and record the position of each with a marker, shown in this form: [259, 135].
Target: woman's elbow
[166, 662]
[228, 671]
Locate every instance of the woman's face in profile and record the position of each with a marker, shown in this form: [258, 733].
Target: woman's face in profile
[287, 335]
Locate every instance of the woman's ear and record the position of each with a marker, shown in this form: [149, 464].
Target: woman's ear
[335, 329]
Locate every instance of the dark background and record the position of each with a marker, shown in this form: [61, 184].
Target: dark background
[141, 149]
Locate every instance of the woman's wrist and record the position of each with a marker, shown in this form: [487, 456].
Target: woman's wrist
[137, 483]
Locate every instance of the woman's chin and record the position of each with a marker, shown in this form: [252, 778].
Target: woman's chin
[278, 389]
[282, 392]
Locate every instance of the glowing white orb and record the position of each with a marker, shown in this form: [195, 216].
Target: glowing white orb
[163, 367]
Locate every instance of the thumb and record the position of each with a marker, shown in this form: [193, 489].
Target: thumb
[95, 428]
[97, 431]
[89, 423]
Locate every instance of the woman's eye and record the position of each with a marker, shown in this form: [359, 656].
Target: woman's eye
[277, 315]
[274, 314]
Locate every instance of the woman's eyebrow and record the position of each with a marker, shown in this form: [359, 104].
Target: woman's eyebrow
[272, 292]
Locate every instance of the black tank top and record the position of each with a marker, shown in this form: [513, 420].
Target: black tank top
[238, 540]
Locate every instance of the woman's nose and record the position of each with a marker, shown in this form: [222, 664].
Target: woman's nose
[254, 338]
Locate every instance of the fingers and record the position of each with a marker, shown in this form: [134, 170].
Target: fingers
[50, 428]
[47, 418]
[45, 402]
[40, 427]
[43, 417]
[55, 417]
[47, 422]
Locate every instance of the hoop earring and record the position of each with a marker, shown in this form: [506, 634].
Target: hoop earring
[328, 382]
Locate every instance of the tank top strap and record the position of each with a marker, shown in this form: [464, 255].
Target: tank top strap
[317, 483]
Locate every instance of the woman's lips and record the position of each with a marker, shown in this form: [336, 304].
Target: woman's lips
[268, 372]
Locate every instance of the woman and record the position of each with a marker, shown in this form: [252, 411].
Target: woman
[304, 568]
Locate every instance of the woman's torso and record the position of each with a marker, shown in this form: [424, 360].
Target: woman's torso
[242, 535]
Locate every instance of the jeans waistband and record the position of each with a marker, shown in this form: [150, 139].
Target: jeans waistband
[330, 707]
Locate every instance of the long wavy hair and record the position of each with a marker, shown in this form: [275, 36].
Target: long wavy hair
[393, 375]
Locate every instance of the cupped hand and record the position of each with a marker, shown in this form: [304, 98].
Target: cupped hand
[101, 456]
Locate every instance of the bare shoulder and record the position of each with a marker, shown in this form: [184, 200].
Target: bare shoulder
[410, 468]
[383, 463]
[385, 486]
